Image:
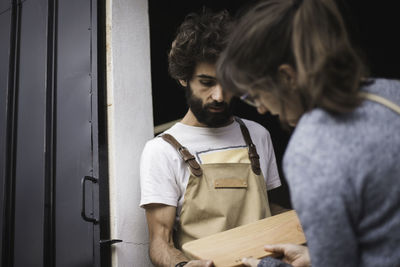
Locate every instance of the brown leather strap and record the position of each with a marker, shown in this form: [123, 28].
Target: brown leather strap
[185, 154]
[253, 155]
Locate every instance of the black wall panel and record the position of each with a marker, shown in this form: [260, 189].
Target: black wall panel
[5, 18]
[53, 57]
[74, 150]
[29, 205]
[4, 6]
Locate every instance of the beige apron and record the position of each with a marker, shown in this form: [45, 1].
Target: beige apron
[220, 196]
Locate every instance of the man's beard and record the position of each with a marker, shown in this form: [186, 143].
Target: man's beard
[204, 115]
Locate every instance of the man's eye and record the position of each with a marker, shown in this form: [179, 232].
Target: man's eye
[207, 83]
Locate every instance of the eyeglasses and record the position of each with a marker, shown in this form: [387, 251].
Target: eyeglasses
[249, 100]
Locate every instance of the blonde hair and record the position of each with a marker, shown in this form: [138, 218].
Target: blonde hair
[310, 36]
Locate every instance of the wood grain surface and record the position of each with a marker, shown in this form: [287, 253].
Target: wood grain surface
[227, 248]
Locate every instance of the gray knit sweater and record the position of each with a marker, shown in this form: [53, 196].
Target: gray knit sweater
[344, 177]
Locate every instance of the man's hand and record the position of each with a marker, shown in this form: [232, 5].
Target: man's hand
[296, 255]
[199, 263]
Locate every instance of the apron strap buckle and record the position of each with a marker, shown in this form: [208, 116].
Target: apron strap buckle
[185, 155]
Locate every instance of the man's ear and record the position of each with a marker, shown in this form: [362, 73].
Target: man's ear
[183, 83]
[288, 74]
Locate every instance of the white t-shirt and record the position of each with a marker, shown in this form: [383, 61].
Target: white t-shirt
[164, 175]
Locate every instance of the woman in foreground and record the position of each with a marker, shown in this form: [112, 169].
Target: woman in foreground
[342, 164]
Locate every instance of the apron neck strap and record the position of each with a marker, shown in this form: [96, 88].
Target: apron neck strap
[381, 100]
[185, 154]
[253, 155]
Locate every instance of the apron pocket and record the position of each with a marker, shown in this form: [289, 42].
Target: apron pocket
[230, 183]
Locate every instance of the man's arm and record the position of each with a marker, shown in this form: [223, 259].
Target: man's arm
[160, 221]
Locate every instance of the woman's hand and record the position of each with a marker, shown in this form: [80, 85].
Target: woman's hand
[250, 262]
[296, 255]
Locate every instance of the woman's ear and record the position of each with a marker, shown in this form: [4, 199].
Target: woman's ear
[183, 83]
[288, 74]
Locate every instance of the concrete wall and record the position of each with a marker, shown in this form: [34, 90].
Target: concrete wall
[130, 124]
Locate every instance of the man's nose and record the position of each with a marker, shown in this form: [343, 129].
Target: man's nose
[217, 93]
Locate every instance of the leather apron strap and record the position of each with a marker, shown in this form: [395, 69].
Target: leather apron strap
[381, 100]
[185, 154]
[253, 155]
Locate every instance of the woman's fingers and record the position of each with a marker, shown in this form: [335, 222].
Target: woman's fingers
[250, 262]
[278, 249]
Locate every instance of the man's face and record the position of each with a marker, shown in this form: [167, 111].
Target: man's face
[206, 99]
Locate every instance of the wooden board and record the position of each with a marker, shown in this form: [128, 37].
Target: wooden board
[227, 248]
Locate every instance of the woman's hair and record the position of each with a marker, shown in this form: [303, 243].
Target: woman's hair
[200, 38]
[310, 36]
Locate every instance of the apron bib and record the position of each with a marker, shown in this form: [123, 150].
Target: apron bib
[220, 196]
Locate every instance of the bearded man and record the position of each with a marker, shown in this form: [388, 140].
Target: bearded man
[211, 171]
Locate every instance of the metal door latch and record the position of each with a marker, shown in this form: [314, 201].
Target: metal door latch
[110, 241]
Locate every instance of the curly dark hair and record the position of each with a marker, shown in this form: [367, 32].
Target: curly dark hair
[200, 38]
